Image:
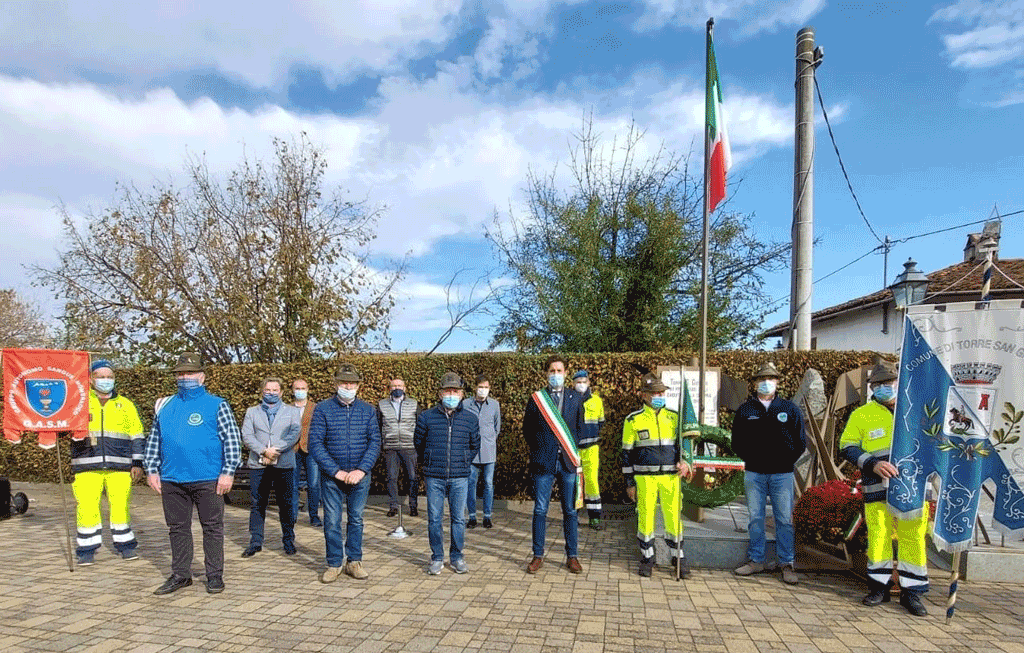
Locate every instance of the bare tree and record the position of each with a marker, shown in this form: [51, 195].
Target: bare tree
[21, 322]
[267, 265]
[476, 301]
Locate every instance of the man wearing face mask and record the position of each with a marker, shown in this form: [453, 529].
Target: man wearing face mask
[768, 434]
[552, 423]
[192, 452]
[652, 465]
[865, 443]
[344, 439]
[270, 431]
[590, 450]
[397, 416]
[110, 458]
[447, 439]
[488, 412]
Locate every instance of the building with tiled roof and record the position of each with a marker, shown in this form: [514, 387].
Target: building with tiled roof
[873, 322]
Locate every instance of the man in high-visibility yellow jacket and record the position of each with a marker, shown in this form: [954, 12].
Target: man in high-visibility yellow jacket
[110, 458]
[590, 446]
[865, 443]
[652, 466]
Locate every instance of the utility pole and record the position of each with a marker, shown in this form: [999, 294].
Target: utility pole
[807, 59]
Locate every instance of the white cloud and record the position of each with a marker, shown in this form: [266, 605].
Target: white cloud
[753, 16]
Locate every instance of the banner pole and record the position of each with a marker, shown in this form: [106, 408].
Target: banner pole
[954, 579]
[64, 507]
[679, 485]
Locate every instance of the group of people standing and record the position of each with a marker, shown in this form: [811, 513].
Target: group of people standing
[195, 446]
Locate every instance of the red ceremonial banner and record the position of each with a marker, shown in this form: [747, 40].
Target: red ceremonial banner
[46, 391]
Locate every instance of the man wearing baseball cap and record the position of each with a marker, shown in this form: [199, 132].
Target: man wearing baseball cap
[344, 439]
[193, 450]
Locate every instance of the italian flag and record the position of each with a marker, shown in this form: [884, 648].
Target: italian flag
[717, 138]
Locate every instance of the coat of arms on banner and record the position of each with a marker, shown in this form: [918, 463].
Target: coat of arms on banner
[971, 403]
[46, 396]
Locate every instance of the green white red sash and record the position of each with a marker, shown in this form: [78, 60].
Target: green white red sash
[554, 419]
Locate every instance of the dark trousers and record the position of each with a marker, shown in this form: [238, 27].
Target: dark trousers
[282, 482]
[407, 458]
[178, 500]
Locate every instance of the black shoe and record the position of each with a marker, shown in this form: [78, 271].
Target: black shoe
[172, 584]
[684, 568]
[912, 602]
[316, 523]
[414, 511]
[252, 550]
[645, 569]
[392, 512]
[488, 523]
[471, 523]
[877, 597]
[214, 585]
[289, 549]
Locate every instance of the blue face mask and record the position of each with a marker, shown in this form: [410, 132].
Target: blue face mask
[188, 384]
[104, 386]
[300, 395]
[450, 401]
[657, 403]
[270, 398]
[397, 394]
[556, 380]
[884, 393]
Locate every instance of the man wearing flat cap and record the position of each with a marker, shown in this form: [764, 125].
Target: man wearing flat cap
[652, 465]
[865, 443]
[344, 439]
[110, 458]
[193, 450]
[768, 434]
[447, 439]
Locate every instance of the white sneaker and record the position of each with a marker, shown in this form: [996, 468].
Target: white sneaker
[460, 566]
[435, 567]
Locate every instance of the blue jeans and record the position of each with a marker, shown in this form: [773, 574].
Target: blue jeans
[334, 493]
[542, 484]
[305, 463]
[454, 489]
[474, 474]
[261, 482]
[780, 488]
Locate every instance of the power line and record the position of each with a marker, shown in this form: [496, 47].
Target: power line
[959, 226]
[842, 167]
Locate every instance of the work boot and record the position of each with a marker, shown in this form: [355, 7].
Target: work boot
[330, 575]
[877, 596]
[684, 568]
[912, 602]
[645, 569]
[354, 568]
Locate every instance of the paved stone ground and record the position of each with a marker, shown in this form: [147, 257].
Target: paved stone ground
[274, 602]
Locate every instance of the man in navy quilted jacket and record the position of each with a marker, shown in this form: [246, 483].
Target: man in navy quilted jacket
[344, 439]
[447, 440]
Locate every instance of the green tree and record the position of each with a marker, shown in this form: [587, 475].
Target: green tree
[267, 265]
[613, 263]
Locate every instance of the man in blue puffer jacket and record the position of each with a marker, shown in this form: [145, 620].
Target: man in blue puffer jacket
[447, 440]
[344, 439]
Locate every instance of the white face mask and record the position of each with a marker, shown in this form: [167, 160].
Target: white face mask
[347, 394]
[582, 388]
[482, 393]
[766, 386]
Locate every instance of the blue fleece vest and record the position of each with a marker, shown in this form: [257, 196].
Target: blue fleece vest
[190, 449]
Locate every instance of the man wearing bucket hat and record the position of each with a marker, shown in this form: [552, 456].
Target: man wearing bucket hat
[768, 434]
[193, 450]
[110, 458]
[344, 439]
[865, 443]
[447, 439]
[652, 465]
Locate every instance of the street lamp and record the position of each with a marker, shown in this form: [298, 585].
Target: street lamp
[910, 286]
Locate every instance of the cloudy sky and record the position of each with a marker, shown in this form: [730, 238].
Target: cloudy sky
[436, 109]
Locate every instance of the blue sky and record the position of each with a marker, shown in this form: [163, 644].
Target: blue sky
[436, 109]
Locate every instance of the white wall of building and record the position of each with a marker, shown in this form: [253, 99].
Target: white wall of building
[860, 330]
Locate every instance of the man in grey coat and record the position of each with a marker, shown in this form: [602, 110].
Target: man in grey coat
[488, 412]
[397, 414]
[270, 431]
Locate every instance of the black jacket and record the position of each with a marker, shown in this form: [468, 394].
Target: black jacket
[769, 441]
[545, 452]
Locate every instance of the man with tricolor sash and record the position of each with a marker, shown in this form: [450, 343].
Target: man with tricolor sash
[552, 424]
[865, 443]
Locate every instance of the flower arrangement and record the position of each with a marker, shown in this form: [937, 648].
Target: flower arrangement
[832, 513]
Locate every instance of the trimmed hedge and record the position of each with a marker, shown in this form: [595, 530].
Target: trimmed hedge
[513, 378]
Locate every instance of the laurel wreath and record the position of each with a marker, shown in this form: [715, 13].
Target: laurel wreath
[724, 485]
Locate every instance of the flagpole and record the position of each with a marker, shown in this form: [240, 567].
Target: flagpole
[707, 230]
[679, 485]
[64, 503]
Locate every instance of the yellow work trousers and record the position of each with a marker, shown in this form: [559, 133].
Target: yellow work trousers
[591, 462]
[649, 490]
[912, 566]
[88, 488]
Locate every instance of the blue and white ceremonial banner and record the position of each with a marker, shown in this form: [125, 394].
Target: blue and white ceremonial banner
[959, 413]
